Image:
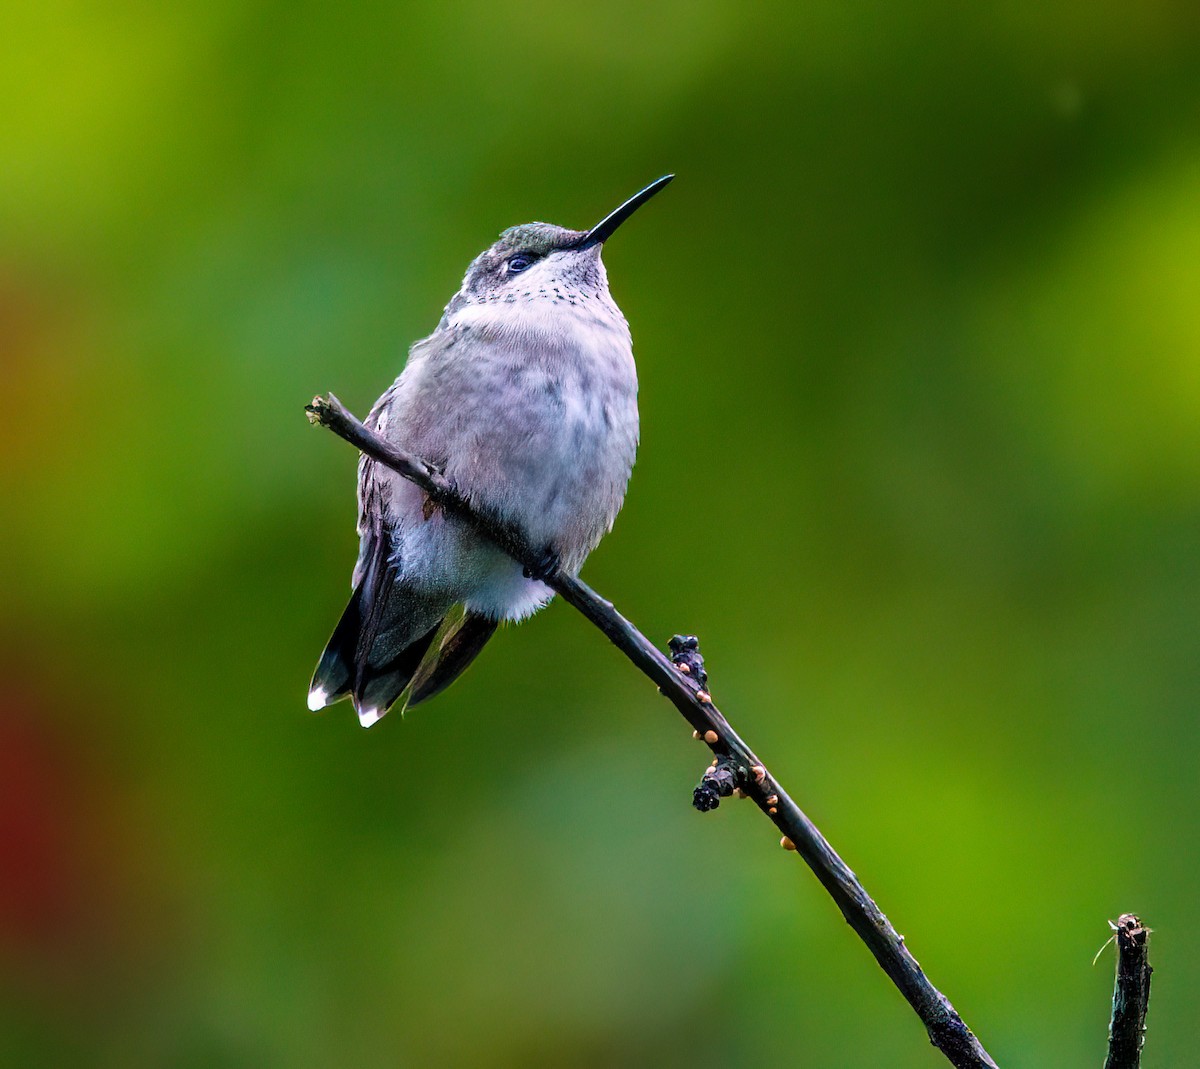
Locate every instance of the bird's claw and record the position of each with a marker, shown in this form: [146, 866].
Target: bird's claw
[545, 566]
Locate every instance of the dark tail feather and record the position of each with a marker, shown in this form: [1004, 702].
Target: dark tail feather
[378, 643]
[381, 681]
[460, 645]
[335, 671]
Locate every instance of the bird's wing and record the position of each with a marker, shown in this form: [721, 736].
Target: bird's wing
[373, 491]
[400, 415]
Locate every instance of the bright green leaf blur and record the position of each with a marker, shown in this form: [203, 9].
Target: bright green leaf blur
[918, 330]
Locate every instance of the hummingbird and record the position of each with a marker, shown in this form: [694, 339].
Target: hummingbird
[525, 398]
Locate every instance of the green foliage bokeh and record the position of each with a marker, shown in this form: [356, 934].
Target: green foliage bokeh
[918, 330]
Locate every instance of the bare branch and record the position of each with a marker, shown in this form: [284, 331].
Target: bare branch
[946, 1029]
[1131, 996]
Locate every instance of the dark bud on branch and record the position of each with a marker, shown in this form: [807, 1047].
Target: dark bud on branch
[685, 655]
[719, 781]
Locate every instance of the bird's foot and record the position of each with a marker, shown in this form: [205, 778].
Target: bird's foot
[546, 565]
[448, 494]
[436, 499]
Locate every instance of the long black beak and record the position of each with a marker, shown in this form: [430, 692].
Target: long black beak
[603, 230]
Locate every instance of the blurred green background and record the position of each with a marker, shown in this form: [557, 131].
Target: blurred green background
[918, 329]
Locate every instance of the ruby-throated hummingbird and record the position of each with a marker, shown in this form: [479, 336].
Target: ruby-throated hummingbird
[525, 397]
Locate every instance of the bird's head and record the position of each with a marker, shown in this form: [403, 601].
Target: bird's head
[540, 261]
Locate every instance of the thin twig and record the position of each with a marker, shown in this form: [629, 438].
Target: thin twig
[1131, 995]
[945, 1027]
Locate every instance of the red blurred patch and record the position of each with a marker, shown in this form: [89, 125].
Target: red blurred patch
[42, 831]
[81, 898]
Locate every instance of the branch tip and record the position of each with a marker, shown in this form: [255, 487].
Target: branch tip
[1131, 994]
[315, 411]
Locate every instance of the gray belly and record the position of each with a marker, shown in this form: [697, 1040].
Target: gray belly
[538, 425]
[555, 454]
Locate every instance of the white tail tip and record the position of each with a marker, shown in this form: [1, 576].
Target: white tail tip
[367, 717]
[318, 698]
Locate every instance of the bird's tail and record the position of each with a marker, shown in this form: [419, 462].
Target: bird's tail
[392, 637]
[378, 643]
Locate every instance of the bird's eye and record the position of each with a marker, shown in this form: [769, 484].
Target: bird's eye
[519, 262]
